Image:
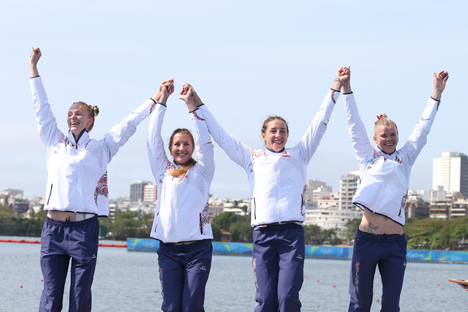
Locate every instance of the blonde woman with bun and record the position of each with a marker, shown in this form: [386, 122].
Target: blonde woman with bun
[76, 193]
[385, 173]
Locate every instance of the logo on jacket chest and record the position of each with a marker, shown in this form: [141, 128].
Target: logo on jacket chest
[285, 154]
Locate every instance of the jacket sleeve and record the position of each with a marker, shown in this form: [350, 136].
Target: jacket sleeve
[157, 155]
[119, 134]
[203, 145]
[48, 131]
[236, 150]
[418, 138]
[311, 139]
[357, 131]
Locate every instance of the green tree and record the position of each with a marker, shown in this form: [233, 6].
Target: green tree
[351, 228]
[240, 232]
[313, 234]
[225, 219]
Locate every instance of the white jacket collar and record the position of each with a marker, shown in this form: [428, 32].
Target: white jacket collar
[82, 138]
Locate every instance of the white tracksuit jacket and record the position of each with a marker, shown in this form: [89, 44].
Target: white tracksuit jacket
[77, 171]
[277, 180]
[182, 213]
[384, 177]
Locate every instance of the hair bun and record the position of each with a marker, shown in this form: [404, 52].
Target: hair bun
[96, 110]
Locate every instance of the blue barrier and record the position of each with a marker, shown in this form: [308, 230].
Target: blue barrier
[319, 252]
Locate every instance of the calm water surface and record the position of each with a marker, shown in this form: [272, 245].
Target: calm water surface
[128, 281]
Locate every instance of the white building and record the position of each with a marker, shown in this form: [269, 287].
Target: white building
[417, 195]
[333, 200]
[437, 194]
[312, 185]
[451, 172]
[150, 193]
[12, 193]
[348, 187]
[331, 218]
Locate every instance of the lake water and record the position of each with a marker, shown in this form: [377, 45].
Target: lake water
[128, 281]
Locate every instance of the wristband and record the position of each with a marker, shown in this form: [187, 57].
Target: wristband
[339, 79]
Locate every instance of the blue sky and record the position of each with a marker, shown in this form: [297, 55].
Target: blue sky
[246, 59]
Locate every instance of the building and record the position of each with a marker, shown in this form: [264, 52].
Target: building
[21, 205]
[331, 218]
[348, 187]
[451, 172]
[418, 209]
[418, 195]
[137, 191]
[459, 209]
[150, 193]
[440, 210]
[311, 186]
[12, 193]
[437, 194]
[320, 192]
[333, 200]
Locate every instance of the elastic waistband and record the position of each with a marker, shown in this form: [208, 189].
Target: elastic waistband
[70, 224]
[383, 237]
[197, 245]
[277, 226]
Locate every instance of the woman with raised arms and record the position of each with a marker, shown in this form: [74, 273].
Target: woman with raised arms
[182, 221]
[277, 177]
[385, 173]
[76, 193]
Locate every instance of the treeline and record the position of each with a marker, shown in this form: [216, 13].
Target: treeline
[12, 223]
[127, 224]
[240, 230]
[436, 234]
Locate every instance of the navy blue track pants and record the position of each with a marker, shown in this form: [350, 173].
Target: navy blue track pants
[389, 253]
[61, 241]
[278, 261]
[183, 272]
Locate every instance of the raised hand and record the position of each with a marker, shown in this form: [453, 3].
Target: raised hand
[342, 79]
[33, 59]
[344, 74]
[440, 80]
[186, 93]
[166, 88]
[34, 56]
[189, 96]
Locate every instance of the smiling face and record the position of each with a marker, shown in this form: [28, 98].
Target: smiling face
[276, 135]
[182, 148]
[78, 119]
[386, 137]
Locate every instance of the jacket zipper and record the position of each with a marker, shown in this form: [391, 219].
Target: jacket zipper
[201, 225]
[277, 189]
[50, 194]
[255, 209]
[174, 205]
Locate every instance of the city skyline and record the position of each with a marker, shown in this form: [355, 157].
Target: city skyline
[244, 65]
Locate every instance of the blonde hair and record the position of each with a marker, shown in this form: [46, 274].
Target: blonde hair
[93, 111]
[182, 170]
[383, 120]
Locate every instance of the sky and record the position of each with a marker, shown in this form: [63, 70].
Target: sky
[246, 60]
